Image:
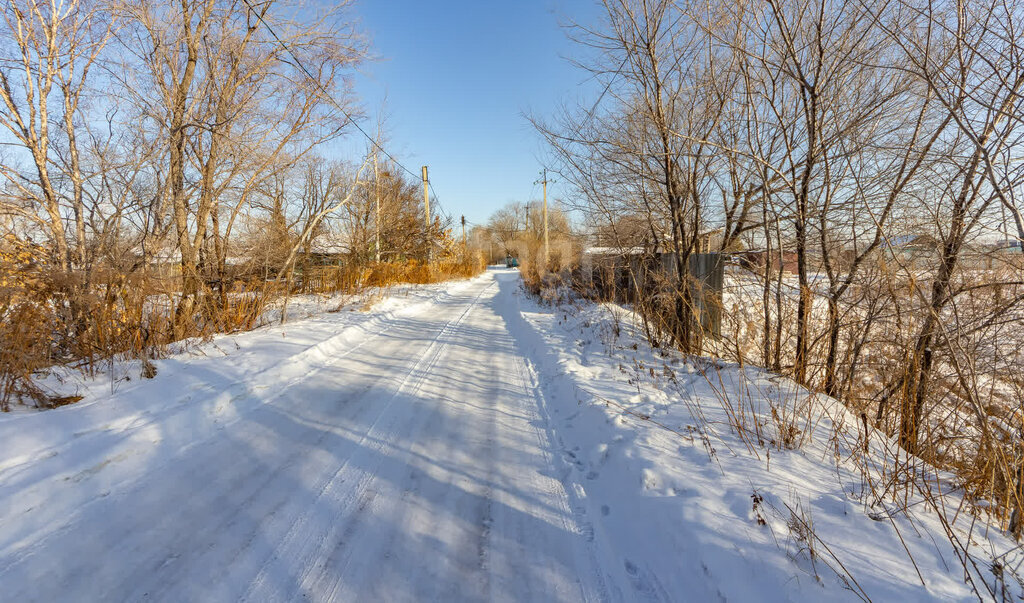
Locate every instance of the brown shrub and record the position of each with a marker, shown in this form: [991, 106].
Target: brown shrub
[46, 321]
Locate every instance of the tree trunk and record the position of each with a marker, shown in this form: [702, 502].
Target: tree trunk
[831, 385]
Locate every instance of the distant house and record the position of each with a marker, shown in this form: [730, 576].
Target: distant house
[989, 255]
[623, 273]
[327, 254]
[610, 268]
[756, 259]
[1008, 247]
[597, 253]
[924, 251]
[710, 240]
[623, 269]
[913, 251]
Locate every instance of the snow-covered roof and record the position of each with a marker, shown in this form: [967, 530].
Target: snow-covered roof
[613, 251]
[329, 248]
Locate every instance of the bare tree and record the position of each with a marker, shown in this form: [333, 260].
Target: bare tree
[974, 74]
[54, 48]
[506, 224]
[219, 76]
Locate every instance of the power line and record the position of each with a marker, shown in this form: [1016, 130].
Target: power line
[437, 200]
[298, 62]
[529, 198]
[590, 114]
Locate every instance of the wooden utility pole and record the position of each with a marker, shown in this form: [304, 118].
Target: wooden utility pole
[463, 234]
[547, 251]
[426, 210]
[376, 188]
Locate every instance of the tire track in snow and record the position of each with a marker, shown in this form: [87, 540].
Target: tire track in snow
[616, 578]
[224, 495]
[573, 512]
[370, 328]
[298, 544]
[438, 485]
[240, 390]
[375, 553]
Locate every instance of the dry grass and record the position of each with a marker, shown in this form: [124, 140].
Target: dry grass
[972, 420]
[968, 467]
[134, 316]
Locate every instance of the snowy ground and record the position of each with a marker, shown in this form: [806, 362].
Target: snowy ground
[456, 442]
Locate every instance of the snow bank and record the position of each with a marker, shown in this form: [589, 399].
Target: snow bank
[747, 486]
[200, 389]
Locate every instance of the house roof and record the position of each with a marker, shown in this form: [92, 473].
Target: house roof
[613, 251]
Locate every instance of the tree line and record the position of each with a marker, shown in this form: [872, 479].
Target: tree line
[862, 163]
[166, 168]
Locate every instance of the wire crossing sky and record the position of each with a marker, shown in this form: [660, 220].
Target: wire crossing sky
[455, 79]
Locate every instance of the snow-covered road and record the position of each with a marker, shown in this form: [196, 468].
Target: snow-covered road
[412, 463]
[463, 442]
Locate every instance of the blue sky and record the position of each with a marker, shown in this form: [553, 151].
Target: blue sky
[458, 76]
